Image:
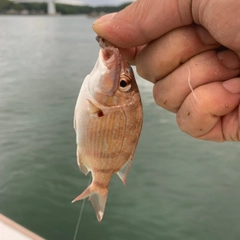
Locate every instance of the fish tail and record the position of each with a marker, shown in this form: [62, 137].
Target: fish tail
[98, 196]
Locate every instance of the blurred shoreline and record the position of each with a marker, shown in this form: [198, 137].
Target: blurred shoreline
[41, 8]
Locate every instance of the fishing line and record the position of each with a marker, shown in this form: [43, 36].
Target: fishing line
[194, 95]
[80, 215]
[189, 84]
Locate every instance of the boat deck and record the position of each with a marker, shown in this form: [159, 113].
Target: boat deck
[10, 230]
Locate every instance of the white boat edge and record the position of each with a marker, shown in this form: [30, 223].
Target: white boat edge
[10, 230]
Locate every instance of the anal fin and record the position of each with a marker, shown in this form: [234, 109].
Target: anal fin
[123, 172]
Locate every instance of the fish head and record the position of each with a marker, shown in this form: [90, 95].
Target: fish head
[112, 79]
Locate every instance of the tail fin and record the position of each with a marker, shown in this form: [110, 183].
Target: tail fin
[98, 197]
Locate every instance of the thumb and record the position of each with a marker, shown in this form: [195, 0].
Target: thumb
[137, 24]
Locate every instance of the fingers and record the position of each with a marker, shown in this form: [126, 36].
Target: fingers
[143, 21]
[222, 20]
[129, 54]
[171, 91]
[162, 56]
[161, 39]
[211, 111]
[206, 101]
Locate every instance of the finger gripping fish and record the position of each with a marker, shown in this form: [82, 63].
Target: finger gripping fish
[108, 122]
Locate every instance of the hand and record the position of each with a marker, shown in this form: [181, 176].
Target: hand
[176, 45]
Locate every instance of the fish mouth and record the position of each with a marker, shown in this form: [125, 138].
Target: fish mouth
[111, 58]
[109, 53]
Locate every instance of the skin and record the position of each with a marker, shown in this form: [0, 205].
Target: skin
[174, 43]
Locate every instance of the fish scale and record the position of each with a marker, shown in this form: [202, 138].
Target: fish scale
[111, 138]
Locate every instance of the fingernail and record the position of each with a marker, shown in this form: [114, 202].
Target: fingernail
[232, 85]
[104, 18]
[229, 59]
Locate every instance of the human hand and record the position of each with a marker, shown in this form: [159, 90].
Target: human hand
[175, 44]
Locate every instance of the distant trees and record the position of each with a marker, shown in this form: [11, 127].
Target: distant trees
[73, 9]
[7, 6]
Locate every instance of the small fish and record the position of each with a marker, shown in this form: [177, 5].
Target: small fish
[108, 122]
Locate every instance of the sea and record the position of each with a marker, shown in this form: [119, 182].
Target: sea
[178, 188]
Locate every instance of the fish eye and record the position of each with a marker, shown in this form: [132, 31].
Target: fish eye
[124, 85]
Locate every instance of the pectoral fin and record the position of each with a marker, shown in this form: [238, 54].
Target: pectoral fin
[93, 109]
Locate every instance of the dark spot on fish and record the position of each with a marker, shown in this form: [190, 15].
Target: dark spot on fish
[188, 113]
[100, 113]
[201, 129]
[165, 102]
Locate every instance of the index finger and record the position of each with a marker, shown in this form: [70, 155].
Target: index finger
[136, 26]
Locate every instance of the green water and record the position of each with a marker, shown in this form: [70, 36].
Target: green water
[178, 188]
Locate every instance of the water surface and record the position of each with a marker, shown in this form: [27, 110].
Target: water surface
[178, 187]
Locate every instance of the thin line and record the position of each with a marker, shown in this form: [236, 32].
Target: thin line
[194, 95]
[189, 84]
[80, 215]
